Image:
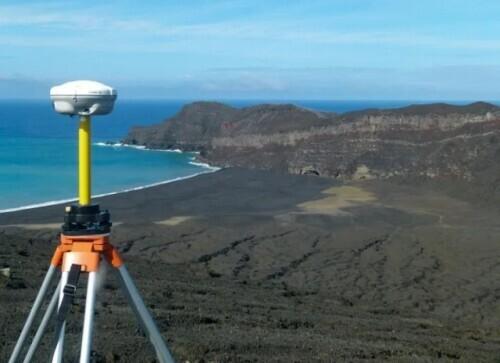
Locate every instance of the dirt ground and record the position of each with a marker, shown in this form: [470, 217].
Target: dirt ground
[246, 266]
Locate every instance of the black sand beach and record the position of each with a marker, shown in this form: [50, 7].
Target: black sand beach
[243, 266]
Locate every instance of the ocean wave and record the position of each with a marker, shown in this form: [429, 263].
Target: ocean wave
[210, 169]
[177, 151]
[204, 165]
[119, 144]
[138, 147]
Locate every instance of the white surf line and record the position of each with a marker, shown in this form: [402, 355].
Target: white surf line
[56, 202]
[38, 205]
[140, 147]
[177, 151]
[204, 165]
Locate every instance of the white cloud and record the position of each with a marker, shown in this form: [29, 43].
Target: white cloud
[104, 21]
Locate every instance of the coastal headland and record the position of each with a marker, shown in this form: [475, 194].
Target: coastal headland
[268, 263]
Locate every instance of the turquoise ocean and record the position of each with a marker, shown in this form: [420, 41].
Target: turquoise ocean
[38, 149]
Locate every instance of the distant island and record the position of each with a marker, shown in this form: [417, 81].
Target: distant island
[416, 143]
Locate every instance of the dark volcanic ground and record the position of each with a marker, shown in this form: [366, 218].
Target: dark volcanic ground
[253, 266]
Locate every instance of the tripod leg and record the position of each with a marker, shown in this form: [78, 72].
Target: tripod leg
[143, 316]
[88, 320]
[43, 325]
[58, 352]
[34, 310]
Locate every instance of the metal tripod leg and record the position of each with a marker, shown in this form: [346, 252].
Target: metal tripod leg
[58, 352]
[31, 317]
[88, 320]
[43, 325]
[143, 316]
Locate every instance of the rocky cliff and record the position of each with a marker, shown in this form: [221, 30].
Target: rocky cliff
[436, 141]
[198, 124]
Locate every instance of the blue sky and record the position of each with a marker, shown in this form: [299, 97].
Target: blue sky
[208, 49]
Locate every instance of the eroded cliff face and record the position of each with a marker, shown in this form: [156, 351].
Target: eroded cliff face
[427, 141]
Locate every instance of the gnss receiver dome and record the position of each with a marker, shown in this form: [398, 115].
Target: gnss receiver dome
[83, 98]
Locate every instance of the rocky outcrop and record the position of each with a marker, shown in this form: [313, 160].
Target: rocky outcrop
[421, 141]
[198, 124]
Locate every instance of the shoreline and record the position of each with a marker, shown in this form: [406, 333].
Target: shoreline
[193, 161]
[142, 187]
[137, 147]
[143, 147]
[164, 197]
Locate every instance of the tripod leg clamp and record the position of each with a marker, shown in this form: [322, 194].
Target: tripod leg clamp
[69, 291]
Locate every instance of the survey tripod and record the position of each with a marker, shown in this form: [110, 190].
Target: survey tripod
[84, 246]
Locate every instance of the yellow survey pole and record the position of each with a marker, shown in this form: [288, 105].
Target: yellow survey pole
[84, 161]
